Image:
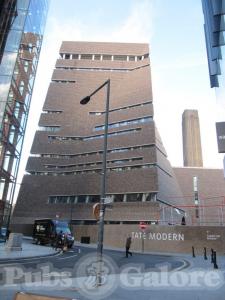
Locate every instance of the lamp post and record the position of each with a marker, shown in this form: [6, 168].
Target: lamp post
[103, 177]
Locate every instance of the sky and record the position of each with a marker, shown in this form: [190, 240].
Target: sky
[174, 31]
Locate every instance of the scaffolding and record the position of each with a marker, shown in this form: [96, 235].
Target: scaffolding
[209, 212]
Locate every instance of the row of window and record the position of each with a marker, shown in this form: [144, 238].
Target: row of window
[53, 128]
[94, 137]
[93, 171]
[94, 222]
[93, 164]
[71, 199]
[125, 123]
[98, 113]
[47, 111]
[104, 57]
[114, 150]
[63, 81]
[56, 128]
[96, 69]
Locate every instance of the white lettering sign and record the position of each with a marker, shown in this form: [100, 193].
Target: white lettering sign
[159, 236]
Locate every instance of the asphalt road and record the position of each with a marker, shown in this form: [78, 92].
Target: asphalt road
[69, 261]
[72, 256]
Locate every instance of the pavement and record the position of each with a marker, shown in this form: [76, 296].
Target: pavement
[29, 250]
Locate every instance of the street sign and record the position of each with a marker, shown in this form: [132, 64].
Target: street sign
[142, 225]
[108, 200]
[220, 130]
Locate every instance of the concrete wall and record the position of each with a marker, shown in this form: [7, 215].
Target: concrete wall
[159, 238]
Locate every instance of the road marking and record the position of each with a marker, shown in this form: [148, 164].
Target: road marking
[66, 257]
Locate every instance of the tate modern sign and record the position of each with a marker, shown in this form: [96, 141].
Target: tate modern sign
[158, 236]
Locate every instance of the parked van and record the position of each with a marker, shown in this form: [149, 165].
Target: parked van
[46, 230]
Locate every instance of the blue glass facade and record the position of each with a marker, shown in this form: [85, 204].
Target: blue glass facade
[214, 15]
[17, 73]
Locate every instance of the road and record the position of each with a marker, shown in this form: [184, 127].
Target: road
[70, 260]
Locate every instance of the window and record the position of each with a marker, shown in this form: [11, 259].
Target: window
[113, 150]
[94, 198]
[134, 197]
[97, 56]
[72, 199]
[124, 123]
[132, 58]
[86, 56]
[62, 199]
[63, 81]
[49, 128]
[96, 113]
[81, 199]
[107, 57]
[120, 57]
[75, 56]
[52, 111]
[118, 198]
[52, 199]
[99, 113]
[122, 132]
[150, 197]
[67, 56]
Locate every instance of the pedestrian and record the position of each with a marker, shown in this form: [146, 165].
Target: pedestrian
[183, 221]
[8, 231]
[58, 240]
[128, 244]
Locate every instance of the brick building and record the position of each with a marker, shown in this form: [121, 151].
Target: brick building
[64, 168]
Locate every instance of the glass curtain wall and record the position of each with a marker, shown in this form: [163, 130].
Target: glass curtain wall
[17, 73]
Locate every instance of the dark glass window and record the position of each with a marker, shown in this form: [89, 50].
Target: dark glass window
[107, 57]
[62, 199]
[81, 199]
[86, 56]
[118, 198]
[120, 57]
[132, 58]
[94, 198]
[149, 197]
[72, 199]
[134, 197]
[75, 56]
[52, 199]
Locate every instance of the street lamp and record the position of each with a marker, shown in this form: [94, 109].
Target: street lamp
[84, 101]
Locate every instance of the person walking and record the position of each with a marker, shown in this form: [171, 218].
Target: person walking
[183, 221]
[59, 240]
[128, 244]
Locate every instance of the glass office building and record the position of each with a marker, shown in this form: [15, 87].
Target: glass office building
[21, 24]
[214, 15]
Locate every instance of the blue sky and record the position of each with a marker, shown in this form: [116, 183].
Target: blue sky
[174, 30]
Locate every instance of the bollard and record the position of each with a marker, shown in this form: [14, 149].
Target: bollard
[214, 260]
[205, 255]
[193, 251]
[212, 255]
